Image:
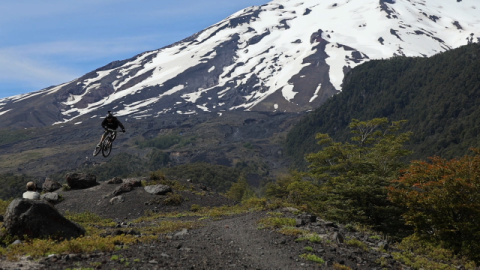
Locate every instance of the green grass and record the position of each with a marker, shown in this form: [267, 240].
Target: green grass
[314, 238]
[287, 230]
[89, 218]
[357, 243]
[310, 249]
[313, 258]
[277, 222]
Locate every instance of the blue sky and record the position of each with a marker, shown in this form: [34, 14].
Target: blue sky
[44, 43]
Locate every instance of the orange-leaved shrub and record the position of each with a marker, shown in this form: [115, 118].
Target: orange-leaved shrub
[442, 198]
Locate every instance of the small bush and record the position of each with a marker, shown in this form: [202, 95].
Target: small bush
[173, 199]
[313, 258]
[157, 176]
[66, 187]
[195, 208]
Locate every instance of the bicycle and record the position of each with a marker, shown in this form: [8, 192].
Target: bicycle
[107, 143]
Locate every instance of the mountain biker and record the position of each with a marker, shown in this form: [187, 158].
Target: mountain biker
[110, 122]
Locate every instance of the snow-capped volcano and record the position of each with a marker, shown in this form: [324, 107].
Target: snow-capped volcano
[287, 55]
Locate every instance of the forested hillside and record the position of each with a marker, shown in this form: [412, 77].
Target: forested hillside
[439, 96]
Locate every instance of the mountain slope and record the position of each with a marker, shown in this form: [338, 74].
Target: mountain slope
[439, 96]
[282, 56]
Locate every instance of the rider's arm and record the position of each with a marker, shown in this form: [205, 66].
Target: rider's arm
[121, 125]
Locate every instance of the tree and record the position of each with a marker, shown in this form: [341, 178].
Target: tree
[240, 190]
[442, 199]
[353, 176]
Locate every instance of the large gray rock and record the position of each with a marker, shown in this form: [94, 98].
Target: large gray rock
[158, 189]
[50, 197]
[38, 219]
[50, 185]
[81, 180]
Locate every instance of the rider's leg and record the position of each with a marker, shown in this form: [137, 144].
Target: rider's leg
[103, 137]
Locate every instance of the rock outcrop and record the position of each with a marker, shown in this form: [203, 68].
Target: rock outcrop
[81, 180]
[50, 185]
[38, 219]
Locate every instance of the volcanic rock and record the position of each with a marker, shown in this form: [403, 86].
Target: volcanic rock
[38, 219]
[81, 180]
[50, 185]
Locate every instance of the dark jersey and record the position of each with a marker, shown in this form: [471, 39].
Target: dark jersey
[114, 124]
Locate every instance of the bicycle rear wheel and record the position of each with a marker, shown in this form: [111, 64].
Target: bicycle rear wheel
[107, 147]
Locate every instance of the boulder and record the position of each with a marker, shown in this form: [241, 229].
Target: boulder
[51, 197]
[50, 185]
[125, 187]
[134, 181]
[115, 180]
[38, 219]
[81, 180]
[158, 189]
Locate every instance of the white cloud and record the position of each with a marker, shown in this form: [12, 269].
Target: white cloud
[37, 65]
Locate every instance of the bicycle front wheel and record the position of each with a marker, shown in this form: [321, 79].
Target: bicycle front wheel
[97, 150]
[107, 147]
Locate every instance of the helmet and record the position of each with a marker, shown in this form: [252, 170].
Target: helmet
[109, 115]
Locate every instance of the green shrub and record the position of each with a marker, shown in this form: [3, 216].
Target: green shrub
[443, 202]
[13, 186]
[173, 199]
[4, 205]
[157, 159]
[353, 176]
[418, 253]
